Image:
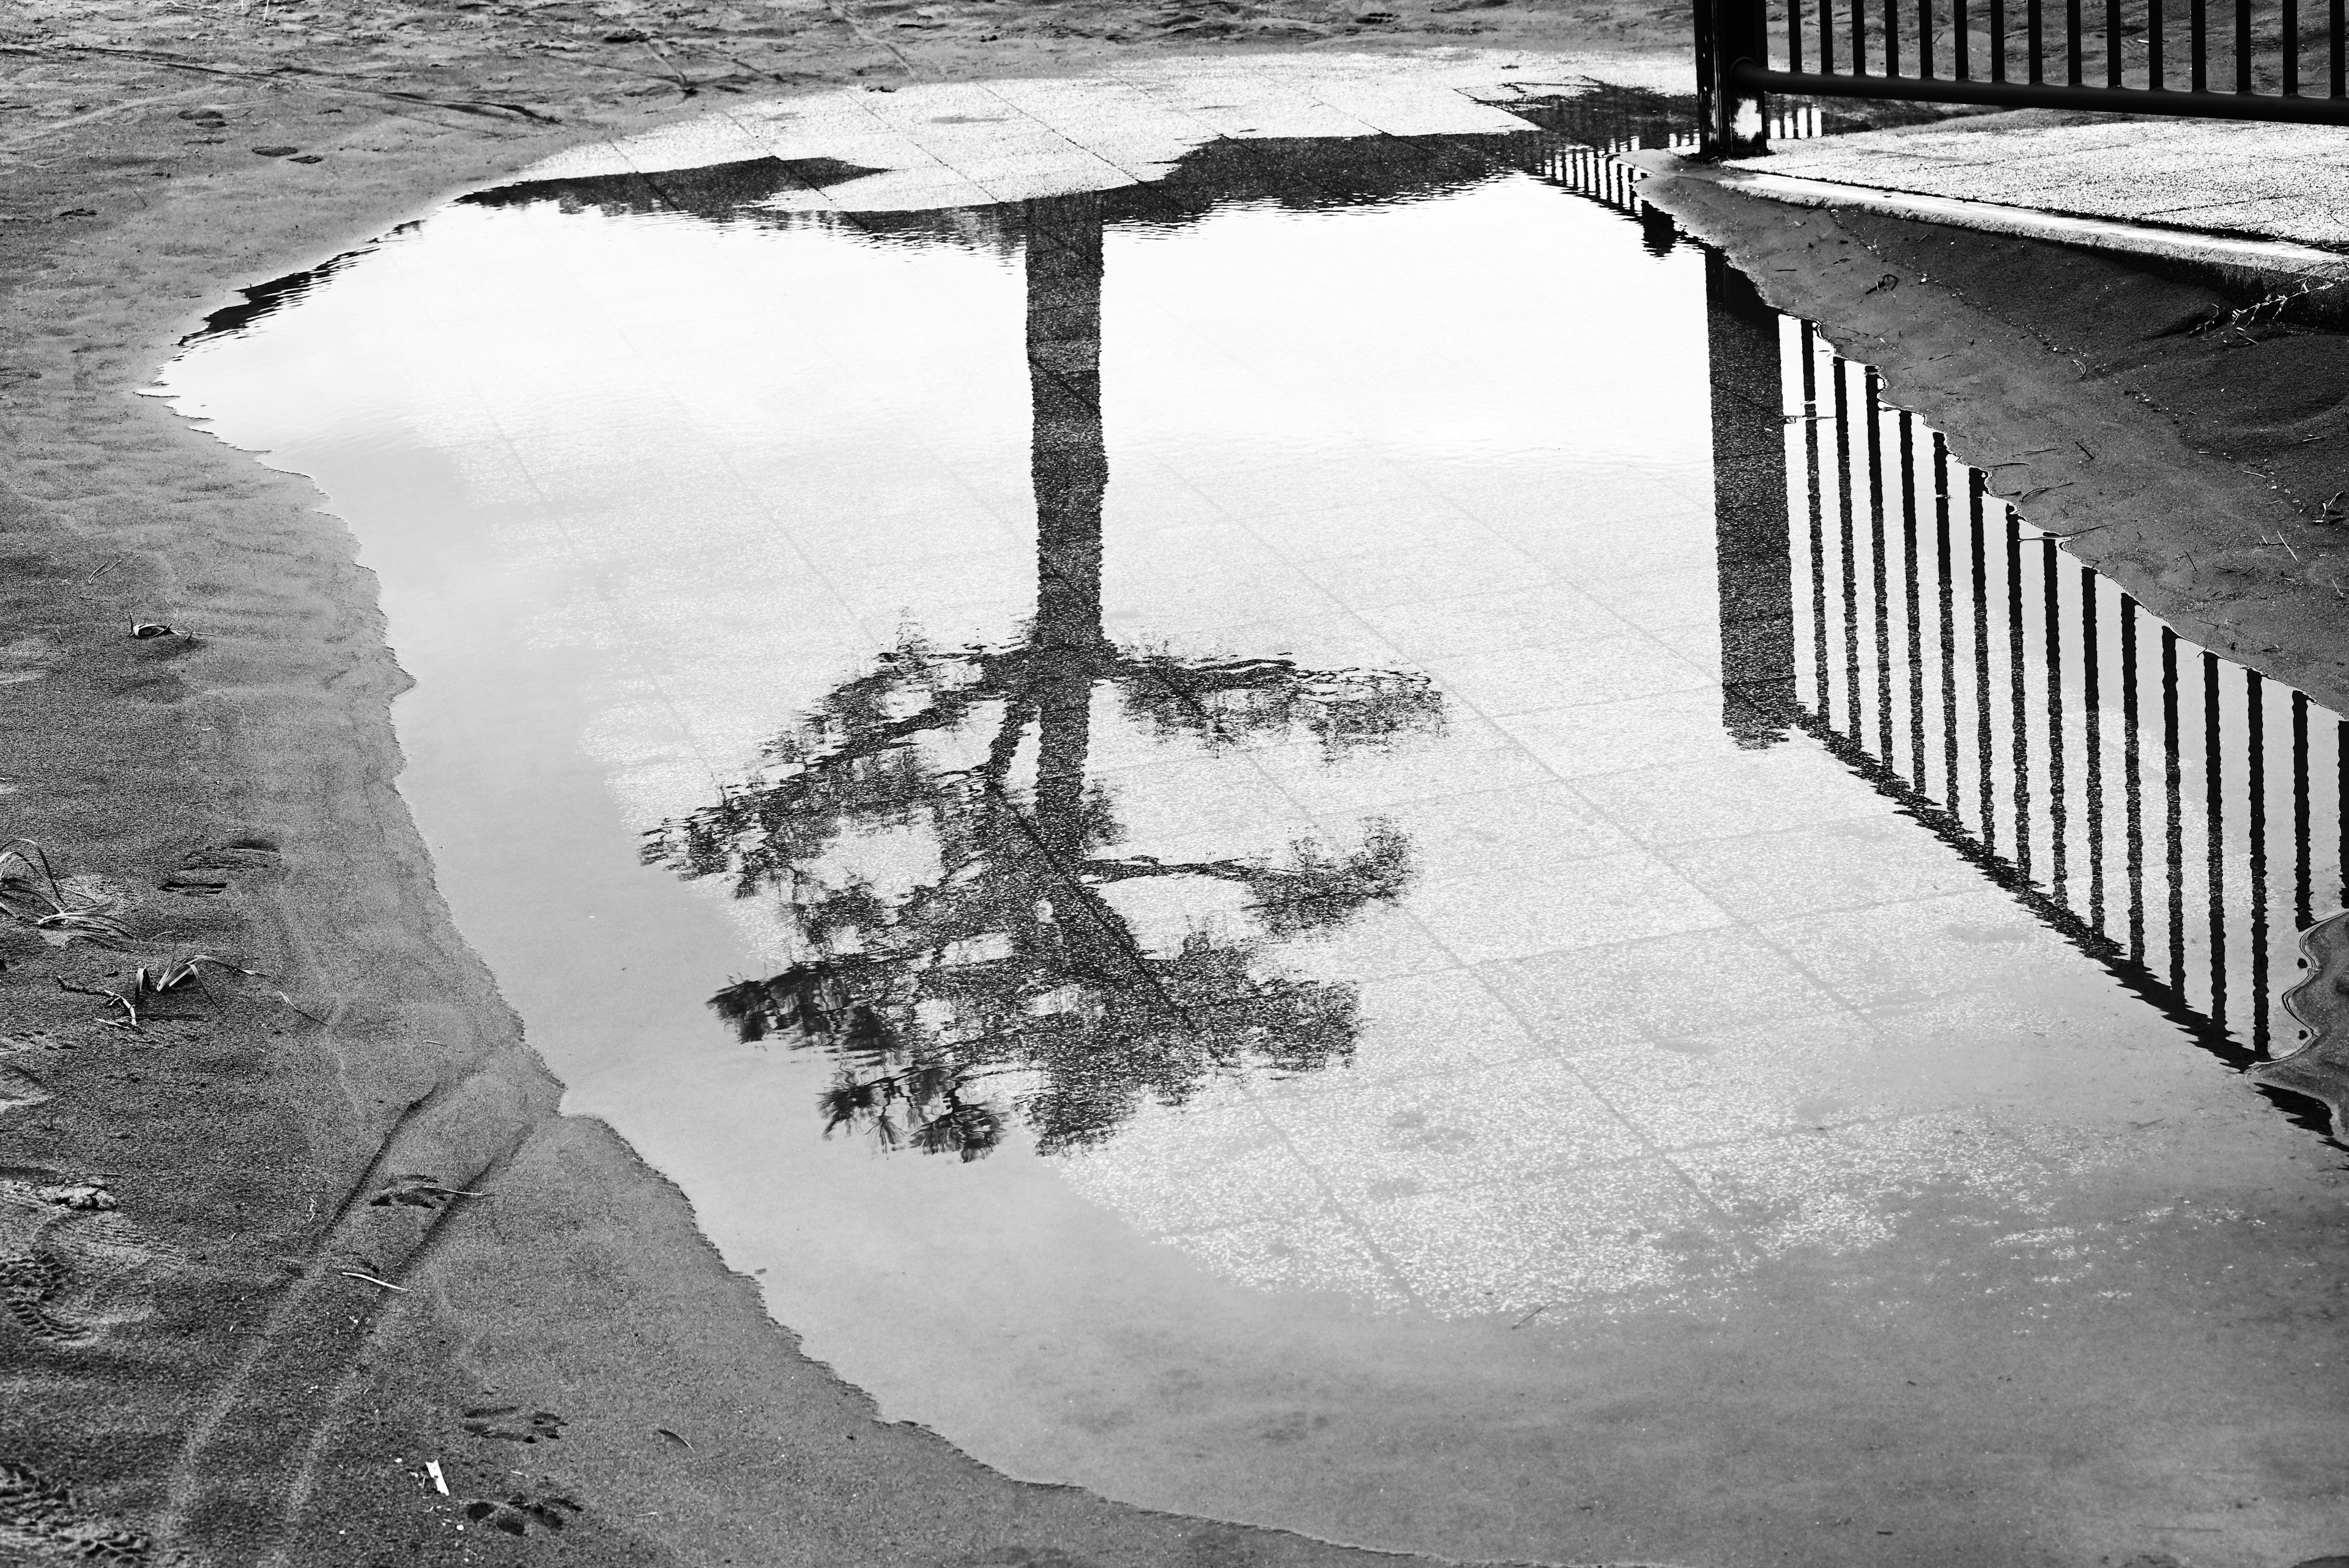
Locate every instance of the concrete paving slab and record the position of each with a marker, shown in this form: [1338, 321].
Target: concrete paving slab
[1153, 111]
[2275, 182]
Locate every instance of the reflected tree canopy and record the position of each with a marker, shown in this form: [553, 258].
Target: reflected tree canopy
[1004, 981]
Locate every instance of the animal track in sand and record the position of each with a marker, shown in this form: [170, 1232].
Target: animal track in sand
[508, 1423]
[417, 1192]
[71, 1267]
[41, 1521]
[520, 1512]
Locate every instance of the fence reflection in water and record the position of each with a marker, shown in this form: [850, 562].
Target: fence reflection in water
[2176, 815]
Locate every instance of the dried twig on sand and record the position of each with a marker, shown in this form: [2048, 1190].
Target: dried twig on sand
[159, 980]
[386, 1285]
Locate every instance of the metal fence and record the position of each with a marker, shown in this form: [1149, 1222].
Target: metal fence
[2238, 59]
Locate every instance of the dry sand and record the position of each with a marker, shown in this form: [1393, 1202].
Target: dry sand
[274, 1297]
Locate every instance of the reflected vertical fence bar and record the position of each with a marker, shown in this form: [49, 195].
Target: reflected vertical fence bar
[2303, 866]
[1977, 660]
[2173, 812]
[2092, 723]
[2133, 773]
[1947, 597]
[2256, 796]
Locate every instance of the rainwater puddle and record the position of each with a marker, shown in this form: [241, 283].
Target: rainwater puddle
[1373, 856]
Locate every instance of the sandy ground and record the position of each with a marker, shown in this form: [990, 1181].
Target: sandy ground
[255, 1297]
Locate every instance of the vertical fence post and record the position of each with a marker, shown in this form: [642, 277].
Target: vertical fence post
[1730, 32]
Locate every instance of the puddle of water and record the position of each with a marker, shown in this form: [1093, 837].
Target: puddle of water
[1431, 879]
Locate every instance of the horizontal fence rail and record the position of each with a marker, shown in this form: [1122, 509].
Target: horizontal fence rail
[2236, 59]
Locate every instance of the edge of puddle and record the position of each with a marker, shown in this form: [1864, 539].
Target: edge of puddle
[574, 1180]
[584, 1243]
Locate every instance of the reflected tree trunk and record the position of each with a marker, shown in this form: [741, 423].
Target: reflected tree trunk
[1069, 467]
[1749, 499]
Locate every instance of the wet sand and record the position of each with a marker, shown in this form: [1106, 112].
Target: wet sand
[297, 1300]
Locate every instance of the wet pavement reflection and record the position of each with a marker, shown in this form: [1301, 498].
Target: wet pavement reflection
[1524, 887]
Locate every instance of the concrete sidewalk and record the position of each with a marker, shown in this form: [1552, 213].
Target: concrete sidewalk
[2250, 181]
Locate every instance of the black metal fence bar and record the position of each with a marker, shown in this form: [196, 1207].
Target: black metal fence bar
[2251, 59]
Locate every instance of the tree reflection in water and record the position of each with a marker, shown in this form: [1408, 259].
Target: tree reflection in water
[1009, 978]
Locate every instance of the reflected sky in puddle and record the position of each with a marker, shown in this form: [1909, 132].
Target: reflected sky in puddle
[1322, 716]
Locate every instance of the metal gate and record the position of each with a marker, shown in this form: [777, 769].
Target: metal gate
[2231, 60]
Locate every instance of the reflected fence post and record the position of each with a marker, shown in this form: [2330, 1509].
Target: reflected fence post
[1754, 562]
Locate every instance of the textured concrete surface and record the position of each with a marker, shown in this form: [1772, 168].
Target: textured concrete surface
[2280, 182]
[949, 144]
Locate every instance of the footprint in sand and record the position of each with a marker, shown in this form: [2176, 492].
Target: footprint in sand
[417, 1192]
[41, 1521]
[203, 873]
[71, 1267]
[523, 1513]
[508, 1423]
